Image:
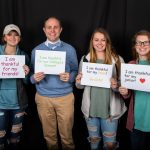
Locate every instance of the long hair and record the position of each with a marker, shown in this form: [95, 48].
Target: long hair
[139, 33]
[110, 53]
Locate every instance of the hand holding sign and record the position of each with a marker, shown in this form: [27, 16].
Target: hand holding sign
[64, 76]
[78, 78]
[123, 91]
[38, 76]
[114, 83]
[26, 69]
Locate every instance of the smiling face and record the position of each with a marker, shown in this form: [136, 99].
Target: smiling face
[52, 29]
[142, 46]
[99, 42]
[12, 38]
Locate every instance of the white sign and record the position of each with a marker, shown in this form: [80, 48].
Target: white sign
[50, 62]
[11, 66]
[136, 77]
[94, 74]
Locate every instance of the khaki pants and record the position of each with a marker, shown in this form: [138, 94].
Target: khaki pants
[53, 112]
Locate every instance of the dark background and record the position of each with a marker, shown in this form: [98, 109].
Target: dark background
[121, 18]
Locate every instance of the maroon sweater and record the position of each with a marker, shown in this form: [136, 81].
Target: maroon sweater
[130, 118]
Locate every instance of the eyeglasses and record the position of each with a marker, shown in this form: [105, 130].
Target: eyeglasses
[139, 43]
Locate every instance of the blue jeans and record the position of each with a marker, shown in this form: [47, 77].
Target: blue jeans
[10, 125]
[104, 129]
[140, 140]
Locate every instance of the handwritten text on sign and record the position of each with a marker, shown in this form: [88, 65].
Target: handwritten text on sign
[95, 74]
[136, 77]
[50, 62]
[11, 66]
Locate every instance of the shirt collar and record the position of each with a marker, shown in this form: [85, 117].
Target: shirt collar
[47, 42]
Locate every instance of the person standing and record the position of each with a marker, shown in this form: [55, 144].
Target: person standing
[54, 96]
[138, 120]
[13, 97]
[100, 115]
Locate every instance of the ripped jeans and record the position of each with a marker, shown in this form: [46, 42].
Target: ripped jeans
[101, 129]
[10, 125]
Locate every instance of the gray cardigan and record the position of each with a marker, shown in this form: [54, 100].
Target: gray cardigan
[117, 105]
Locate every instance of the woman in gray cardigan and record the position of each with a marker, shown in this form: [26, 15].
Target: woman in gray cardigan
[102, 107]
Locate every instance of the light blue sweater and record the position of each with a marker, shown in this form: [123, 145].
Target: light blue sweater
[51, 85]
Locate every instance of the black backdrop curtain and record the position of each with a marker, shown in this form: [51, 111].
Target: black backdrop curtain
[121, 18]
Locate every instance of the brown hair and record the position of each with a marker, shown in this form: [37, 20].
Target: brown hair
[60, 23]
[4, 42]
[141, 32]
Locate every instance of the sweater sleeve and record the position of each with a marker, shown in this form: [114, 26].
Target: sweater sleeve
[73, 65]
[79, 86]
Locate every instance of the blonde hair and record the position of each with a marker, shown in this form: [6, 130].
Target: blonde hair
[110, 53]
